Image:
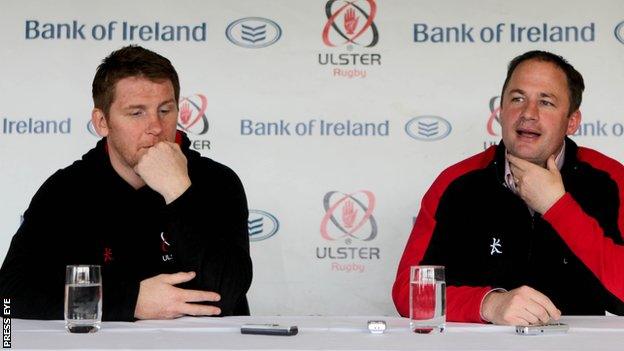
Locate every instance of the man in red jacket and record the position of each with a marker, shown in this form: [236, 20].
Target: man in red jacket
[531, 228]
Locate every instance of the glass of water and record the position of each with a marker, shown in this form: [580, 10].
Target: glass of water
[427, 299]
[83, 298]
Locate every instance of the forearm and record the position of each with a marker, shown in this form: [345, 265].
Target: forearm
[586, 238]
[228, 275]
[216, 248]
[32, 301]
[32, 274]
[463, 302]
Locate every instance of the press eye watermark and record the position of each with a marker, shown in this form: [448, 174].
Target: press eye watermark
[6, 324]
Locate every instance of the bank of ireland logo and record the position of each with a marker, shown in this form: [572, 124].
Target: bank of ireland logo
[428, 128]
[192, 116]
[261, 225]
[349, 216]
[253, 32]
[350, 22]
[619, 32]
[493, 123]
[91, 129]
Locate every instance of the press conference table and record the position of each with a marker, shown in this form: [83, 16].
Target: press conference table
[315, 333]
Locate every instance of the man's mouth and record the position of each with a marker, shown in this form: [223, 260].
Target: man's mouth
[528, 133]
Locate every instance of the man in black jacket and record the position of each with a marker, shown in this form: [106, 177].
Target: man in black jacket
[168, 227]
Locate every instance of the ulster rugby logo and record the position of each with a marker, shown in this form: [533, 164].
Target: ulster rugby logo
[493, 123]
[350, 22]
[349, 216]
[193, 114]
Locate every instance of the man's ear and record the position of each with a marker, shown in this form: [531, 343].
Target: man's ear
[574, 121]
[99, 122]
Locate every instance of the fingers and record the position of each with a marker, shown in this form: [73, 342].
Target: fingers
[173, 145]
[187, 307]
[517, 167]
[199, 310]
[521, 306]
[544, 302]
[163, 146]
[536, 313]
[199, 296]
[188, 295]
[177, 278]
[518, 163]
[551, 164]
[519, 321]
[539, 308]
[164, 169]
[159, 298]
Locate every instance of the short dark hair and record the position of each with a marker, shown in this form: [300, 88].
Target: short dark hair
[574, 78]
[130, 61]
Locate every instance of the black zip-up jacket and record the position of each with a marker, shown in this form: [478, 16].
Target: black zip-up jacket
[87, 214]
[486, 236]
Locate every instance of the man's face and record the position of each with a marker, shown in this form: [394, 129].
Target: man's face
[142, 114]
[534, 111]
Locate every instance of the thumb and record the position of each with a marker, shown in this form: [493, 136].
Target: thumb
[177, 278]
[551, 165]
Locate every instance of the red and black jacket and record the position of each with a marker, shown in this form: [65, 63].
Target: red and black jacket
[486, 237]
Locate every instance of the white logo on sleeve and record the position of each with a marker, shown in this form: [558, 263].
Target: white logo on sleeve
[496, 246]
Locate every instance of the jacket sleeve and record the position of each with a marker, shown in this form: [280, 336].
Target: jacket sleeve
[209, 235]
[586, 238]
[463, 302]
[33, 274]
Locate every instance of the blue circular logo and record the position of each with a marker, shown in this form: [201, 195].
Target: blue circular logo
[253, 32]
[428, 128]
[262, 225]
[91, 129]
[619, 32]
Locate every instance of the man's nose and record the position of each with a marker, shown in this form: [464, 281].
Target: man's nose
[155, 124]
[531, 110]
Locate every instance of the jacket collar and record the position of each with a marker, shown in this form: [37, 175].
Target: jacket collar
[569, 163]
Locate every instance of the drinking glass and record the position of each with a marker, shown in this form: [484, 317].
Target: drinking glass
[83, 298]
[427, 299]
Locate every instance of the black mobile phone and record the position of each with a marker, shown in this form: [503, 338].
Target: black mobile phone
[553, 328]
[269, 329]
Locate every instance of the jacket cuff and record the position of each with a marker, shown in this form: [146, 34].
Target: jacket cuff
[182, 202]
[464, 303]
[483, 319]
[121, 302]
[561, 209]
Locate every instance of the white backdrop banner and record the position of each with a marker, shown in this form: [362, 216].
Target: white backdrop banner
[337, 115]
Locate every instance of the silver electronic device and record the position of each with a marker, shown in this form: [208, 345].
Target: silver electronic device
[553, 328]
[377, 326]
[269, 329]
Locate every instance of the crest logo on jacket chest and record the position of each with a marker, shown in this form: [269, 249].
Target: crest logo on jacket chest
[496, 247]
[164, 248]
[108, 254]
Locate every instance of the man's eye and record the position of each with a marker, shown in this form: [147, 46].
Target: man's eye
[516, 98]
[547, 103]
[136, 113]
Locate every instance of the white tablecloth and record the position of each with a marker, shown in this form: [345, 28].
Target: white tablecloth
[315, 333]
